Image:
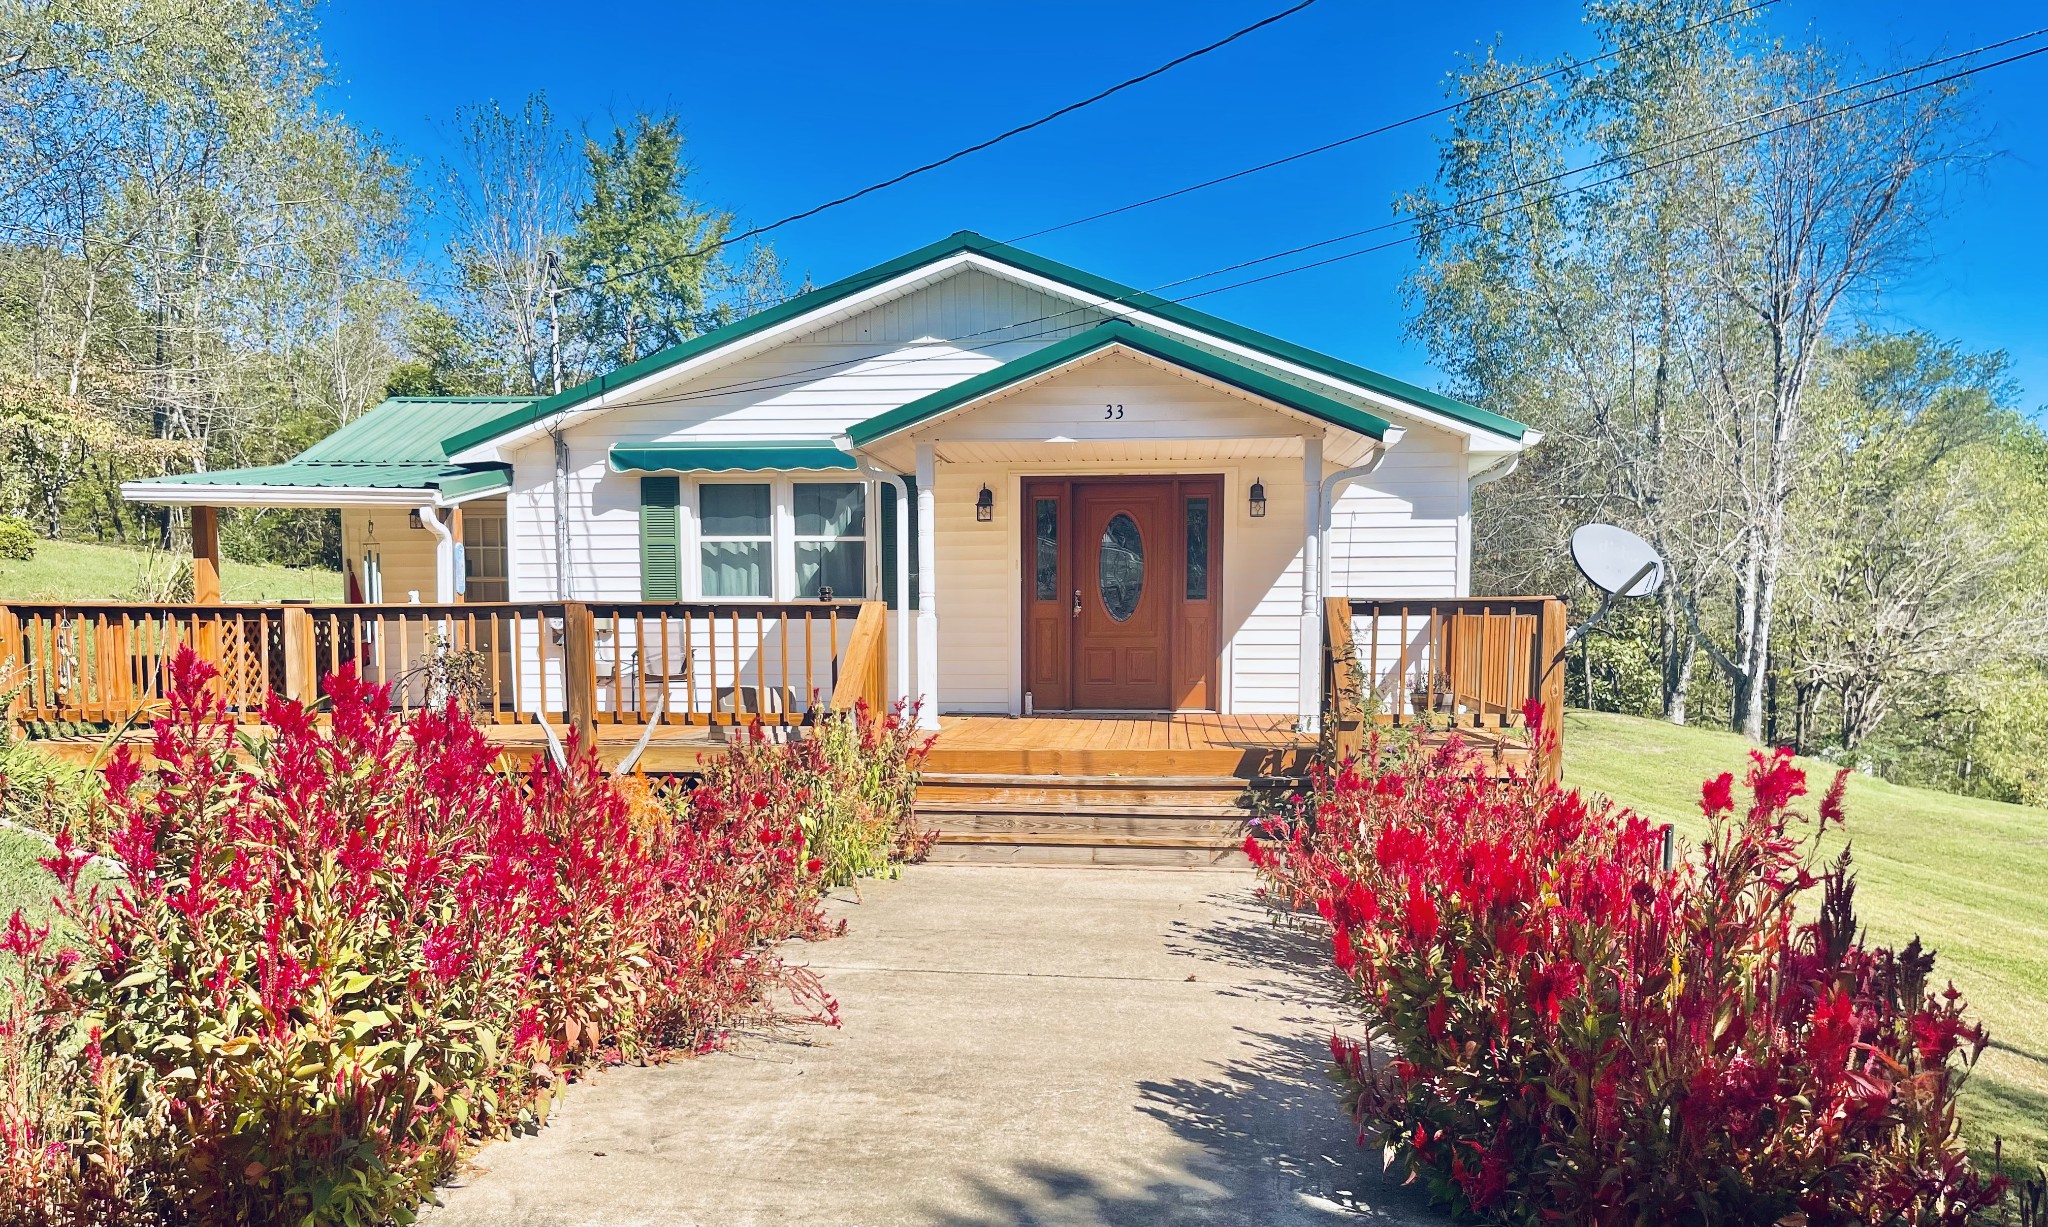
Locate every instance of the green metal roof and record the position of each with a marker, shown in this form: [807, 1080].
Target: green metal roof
[450, 479]
[408, 429]
[397, 445]
[1130, 336]
[728, 457]
[966, 241]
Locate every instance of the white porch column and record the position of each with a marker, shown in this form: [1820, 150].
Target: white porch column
[927, 587]
[1311, 702]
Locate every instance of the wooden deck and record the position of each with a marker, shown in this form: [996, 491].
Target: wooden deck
[1143, 745]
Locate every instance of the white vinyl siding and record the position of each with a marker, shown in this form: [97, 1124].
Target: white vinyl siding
[1396, 533]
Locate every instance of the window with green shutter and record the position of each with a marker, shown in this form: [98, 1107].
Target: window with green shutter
[661, 539]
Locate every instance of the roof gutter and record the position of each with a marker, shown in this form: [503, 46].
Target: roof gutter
[195, 495]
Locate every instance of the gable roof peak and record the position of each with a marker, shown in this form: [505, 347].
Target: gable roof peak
[1266, 346]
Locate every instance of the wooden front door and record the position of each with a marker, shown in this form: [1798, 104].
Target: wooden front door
[1120, 597]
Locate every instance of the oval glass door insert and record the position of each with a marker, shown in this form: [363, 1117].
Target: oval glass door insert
[1122, 573]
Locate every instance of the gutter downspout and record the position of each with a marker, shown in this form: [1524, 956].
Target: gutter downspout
[1332, 486]
[561, 501]
[903, 512]
[444, 554]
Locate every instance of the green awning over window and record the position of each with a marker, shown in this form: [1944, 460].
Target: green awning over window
[728, 457]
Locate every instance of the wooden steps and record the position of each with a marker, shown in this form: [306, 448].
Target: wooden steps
[1156, 813]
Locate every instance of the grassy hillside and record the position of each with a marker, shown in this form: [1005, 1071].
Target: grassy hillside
[1969, 877]
[80, 571]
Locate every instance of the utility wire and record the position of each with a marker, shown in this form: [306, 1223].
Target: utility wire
[1446, 109]
[783, 380]
[955, 156]
[1801, 122]
[1630, 155]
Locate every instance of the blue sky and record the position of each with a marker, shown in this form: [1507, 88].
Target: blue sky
[786, 105]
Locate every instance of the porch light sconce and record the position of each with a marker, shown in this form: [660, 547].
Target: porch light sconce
[1258, 500]
[413, 518]
[985, 506]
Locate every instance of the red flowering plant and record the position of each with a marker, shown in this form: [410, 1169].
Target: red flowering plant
[340, 954]
[1562, 1030]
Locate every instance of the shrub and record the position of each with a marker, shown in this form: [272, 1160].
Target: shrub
[342, 954]
[852, 784]
[17, 539]
[1561, 1030]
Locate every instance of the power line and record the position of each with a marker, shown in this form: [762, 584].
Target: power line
[1628, 155]
[955, 156]
[783, 380]
[1446, 109]
[1729, 144]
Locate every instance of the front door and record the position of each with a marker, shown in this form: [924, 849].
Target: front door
[1120, 604]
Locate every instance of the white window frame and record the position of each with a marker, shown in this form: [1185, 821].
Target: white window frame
[865, 537]
[782, 536]
[702, 539]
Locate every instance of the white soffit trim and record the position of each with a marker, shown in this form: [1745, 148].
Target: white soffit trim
[283, 496]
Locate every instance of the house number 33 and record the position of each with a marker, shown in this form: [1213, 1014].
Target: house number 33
[1112, 413]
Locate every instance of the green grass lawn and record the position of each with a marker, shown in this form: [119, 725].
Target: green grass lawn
[81, 571]
[1969, 877]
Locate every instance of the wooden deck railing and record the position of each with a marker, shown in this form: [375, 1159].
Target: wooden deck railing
[1470, 662]
[578, 663]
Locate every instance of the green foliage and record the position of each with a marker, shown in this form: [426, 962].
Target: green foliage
[1963, 873]
[339, 954]
[17, 539]
[443, 361]
[646, 249]
[1561, 1028]
[194, 255]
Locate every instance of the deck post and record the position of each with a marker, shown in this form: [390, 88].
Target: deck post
[579, 671]
[1550, 650]
[206, 555]
[301, 661]
[927, 588]
[14, 665]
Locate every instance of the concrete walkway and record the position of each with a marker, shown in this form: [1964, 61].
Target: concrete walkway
[1042, 1046]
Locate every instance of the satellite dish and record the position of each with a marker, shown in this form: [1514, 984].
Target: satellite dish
[1616, 561]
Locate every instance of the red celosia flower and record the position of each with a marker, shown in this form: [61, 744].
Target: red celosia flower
[1419, 914]
[1346, 958]
[1717, 796]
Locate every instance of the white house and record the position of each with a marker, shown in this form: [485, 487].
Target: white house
[1117, 502]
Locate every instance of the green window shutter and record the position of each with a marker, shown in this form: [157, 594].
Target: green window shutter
[889, 496]
[661, 539]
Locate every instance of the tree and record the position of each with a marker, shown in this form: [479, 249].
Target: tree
[1822, 208]
[1577, 304]
[514, 191]
[642, 248]
[214, 255]
[1919, 571]
[1643, 257]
